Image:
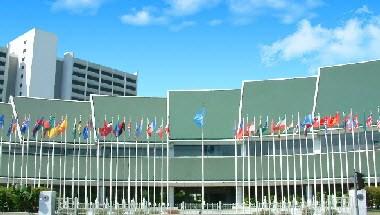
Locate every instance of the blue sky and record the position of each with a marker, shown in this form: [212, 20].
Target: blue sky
[203, 44]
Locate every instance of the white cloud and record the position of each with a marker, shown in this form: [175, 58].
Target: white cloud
[288, 11]
[142, 18]
[182, 25]
[189, 7]
[315, 45]
[363, 10]
[215, 22]
[78, 6]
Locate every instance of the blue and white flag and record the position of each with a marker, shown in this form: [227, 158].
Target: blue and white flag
[2, 121]
[25, 126]
[86, 133]
[199, 117]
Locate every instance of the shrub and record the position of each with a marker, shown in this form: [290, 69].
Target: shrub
[19, 199]
[373, 196]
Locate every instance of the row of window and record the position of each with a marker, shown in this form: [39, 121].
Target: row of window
[131, 80]
[2, 63]
[75, 82]
[80, 66]
[1, 72]
[79, 74]
[96, 71]
[81, 92]
[3, 54]
[92, 78]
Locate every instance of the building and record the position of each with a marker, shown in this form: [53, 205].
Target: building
[262, 166]
[31, 68]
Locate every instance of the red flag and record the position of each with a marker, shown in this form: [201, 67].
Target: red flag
[106, 130]
[239, 131]
[369, 121]
[333, 121]
[167, 130]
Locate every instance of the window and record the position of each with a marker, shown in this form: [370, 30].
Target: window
[119, 93]
[78, 91]
[93, 70]
[80, 66]
[79, 74]
[23, 59]
[106, 74]
[22, 67]
[131, 80]
[105, 89]
[22, 76]
[130, 88]
[23, 51]
[1, 81]
[118, 84]
[75, 82]
[1, 72]
[91, 86]
[3, 54]
[20, 85]
[2, 63]
[24, 41]
[118, 76]
[20, 93]
[92, 78]
[106, 82]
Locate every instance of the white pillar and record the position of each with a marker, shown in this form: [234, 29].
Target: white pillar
[239, 195]
[171, 196]
[309, 194]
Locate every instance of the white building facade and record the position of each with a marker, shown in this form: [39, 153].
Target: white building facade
[29, 67]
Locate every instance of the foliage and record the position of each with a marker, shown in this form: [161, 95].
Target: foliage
[19, 199]
[373, 197]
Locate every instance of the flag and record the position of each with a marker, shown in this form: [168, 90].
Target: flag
[37, 126]
[307, 122]
[86, 132]
[74, 132]
[333, 121]
[160, 130]
[199, 117]
[25, 126]
[12, 127]
[249, 129]
[129, 128]
[279, 126]
[149, 129]
[62, 126]
[138, 129]
[369, 121]
[119, 128]
[2, 121]
[167, 130]
[79, 127]
[106, 129]
[239, 131]
[378, 124]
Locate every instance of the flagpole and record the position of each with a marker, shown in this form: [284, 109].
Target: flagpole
[281, 170]
[236, 183]
[294, 162]
[274, 166]
[136, 162]
[35, 159]
[333, 163]
[86, 176]
[328, 163]
[9, 154]
[60, 164]
[162, 166]
[255, 156]
[321, 166]
[97, 171]
[64, 164]
[73, 163]
[117, 159]
[90, 127]
[129, 165]
[22, 155]
[314, 167]
[203, 174]
[27, 152]
[373, 145]
[242, 152]
[249, 165]
[39, 168]
[14, 158]
[300, 144]
[346, 150]
[148, 165]
[154, 163]
[52, 161]
[366, 146]
[261, 161]
[78, 159]
[111, 168]
[341, 163]
[167, 162]
[287, 159]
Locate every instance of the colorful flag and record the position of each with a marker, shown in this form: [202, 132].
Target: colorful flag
[307, 122]
[62, 126]
[120, 129]
[129, 127]
[167, 129]
[369, 121]
[199, 117]
[2, 117]
[12, 127]
[138, 130]
[86, 132]
[333, 121]
[106, 129]
[240, 131]
[160, 130]
[74, 132]
[149, 129]
[25, 126]
[279, 126]
[37, 126]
